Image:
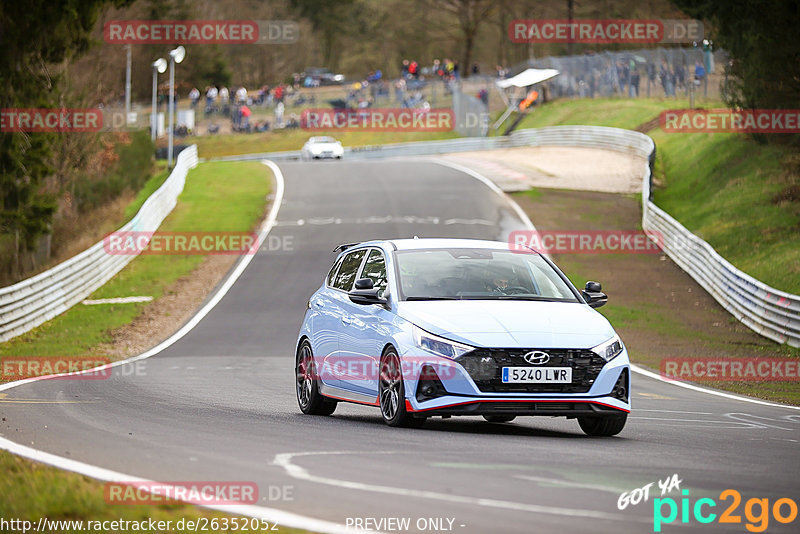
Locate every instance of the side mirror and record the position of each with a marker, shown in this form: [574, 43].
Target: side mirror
[366, 293]
[593, 294]
[364, 283]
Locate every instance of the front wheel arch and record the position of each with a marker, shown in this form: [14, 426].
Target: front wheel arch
[400, 417]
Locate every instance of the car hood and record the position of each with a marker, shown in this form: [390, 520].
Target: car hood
[510, 324]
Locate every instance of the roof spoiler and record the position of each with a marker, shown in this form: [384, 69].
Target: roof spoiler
[344, 246]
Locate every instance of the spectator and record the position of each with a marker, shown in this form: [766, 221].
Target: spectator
[245, 125]
[224, 96]
[279, 114]
[475, 69]
[634, 87]
[241, 96]
[699, 72]
[194, 96]
[211, 96]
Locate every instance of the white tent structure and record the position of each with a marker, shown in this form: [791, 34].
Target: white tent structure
[523, 80]
[527, 78]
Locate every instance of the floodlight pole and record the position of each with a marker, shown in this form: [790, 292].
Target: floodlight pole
[171, 108]
[128, 85]
[153, 115]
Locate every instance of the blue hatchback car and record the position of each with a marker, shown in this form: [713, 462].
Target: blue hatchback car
[444, 327]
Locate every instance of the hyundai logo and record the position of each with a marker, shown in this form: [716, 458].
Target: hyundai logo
[536, 357]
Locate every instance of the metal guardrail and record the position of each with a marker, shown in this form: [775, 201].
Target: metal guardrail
[33, 301]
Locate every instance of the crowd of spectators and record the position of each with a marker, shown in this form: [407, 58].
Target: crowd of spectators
[413, 89]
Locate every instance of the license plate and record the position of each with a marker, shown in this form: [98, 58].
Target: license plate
[537, 375]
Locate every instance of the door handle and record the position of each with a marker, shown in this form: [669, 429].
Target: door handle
[346, 320]
[320, 303]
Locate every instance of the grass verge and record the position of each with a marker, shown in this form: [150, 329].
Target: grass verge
[212, 146]
[741, 196]
[218, 196]
[32, 491]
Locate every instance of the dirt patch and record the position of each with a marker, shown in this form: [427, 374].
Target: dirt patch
[587, 169]
[645, 127]
[658, 309]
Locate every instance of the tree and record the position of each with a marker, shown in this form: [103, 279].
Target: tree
[330, 18]
[470, 14]
[35, 36]
[761, 39]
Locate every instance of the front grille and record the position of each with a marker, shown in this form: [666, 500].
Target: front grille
[485, 367]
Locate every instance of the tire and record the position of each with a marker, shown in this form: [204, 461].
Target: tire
[392, 393]
[310, 400]
[603, 426]
[499, 418]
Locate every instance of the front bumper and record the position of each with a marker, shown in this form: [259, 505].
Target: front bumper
[522, 407]
[596, 390]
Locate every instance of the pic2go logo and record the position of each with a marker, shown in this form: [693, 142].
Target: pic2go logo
[757, 511]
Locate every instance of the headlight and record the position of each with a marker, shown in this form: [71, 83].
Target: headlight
[439, 345]
[609, 350]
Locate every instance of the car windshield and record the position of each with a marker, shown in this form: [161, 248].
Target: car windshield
[482, 274]
[322, 140]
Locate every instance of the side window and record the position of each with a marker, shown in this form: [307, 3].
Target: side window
[347, 272]
[332, 272]
[375, 268]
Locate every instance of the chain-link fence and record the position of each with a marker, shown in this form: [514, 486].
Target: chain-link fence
[654, 72]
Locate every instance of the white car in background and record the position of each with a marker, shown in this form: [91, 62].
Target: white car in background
[322, 148]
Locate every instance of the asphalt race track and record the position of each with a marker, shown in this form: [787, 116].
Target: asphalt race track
[219, 404]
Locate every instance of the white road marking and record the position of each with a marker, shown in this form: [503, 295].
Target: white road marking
[636, 369]
[282, 518]
[567, 483]
[491, 185]
[745, 417]
[737, 424]
[116, 300]
[284, 460]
